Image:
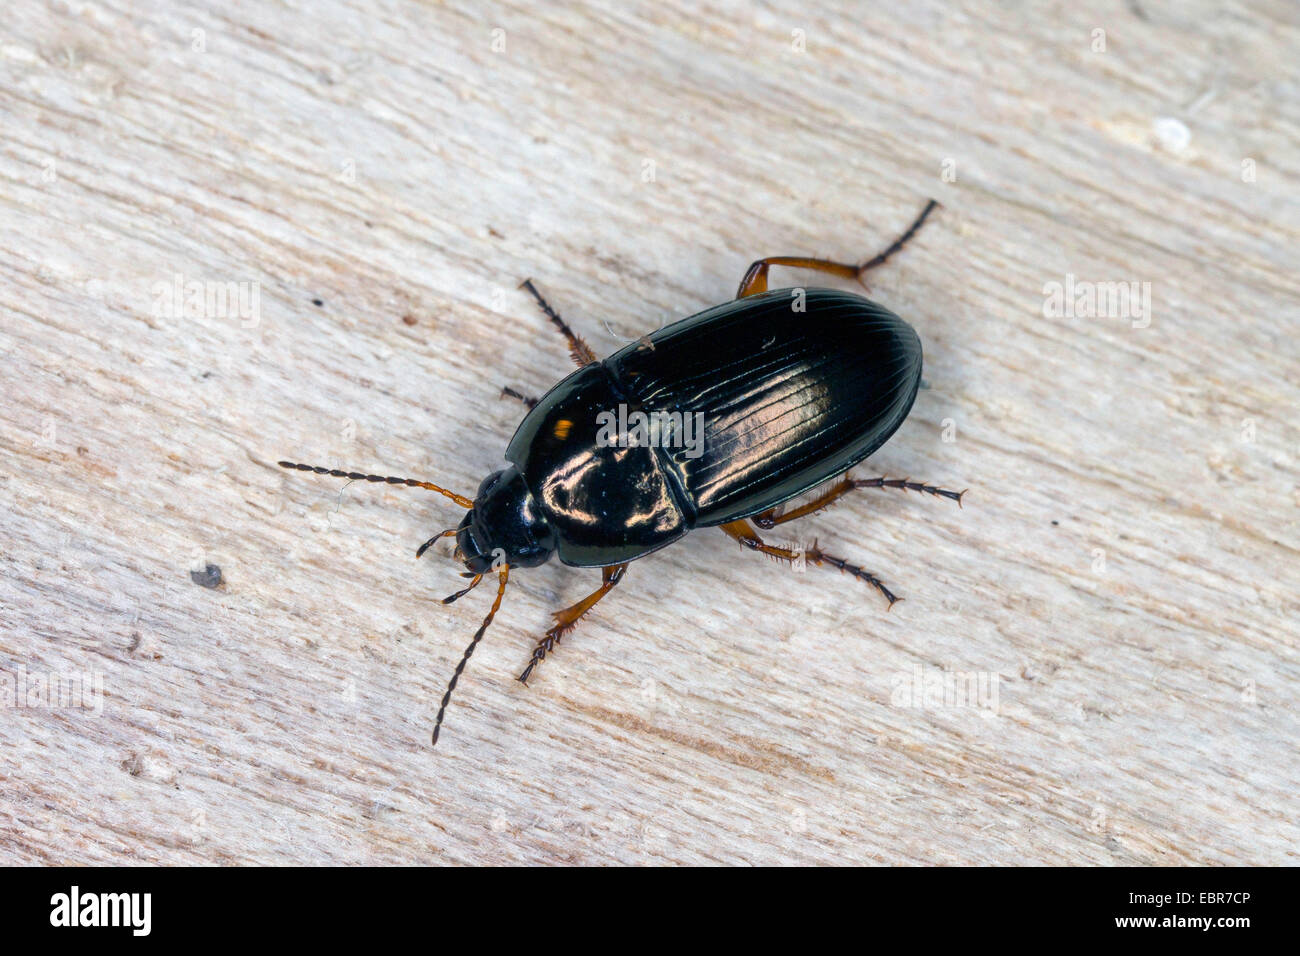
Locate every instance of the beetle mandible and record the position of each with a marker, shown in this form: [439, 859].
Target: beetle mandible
[788, 389]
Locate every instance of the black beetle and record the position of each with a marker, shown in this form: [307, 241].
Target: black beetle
[734, 412]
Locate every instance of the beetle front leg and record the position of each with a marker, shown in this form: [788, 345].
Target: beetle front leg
[743, 532]
[567, 619]
[508, 392]
[755, 280]
[579, 350]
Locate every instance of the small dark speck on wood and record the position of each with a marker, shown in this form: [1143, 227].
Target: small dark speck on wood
[318, 302]
[209, 577]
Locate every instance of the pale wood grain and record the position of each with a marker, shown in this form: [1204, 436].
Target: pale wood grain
[383, 158]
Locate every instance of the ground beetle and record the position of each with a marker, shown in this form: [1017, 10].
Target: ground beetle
[734, 411]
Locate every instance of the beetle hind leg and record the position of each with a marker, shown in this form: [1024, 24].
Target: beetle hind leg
[901, 241]
[755, 280]
[743, 532]
[770, 519]
[567, 619]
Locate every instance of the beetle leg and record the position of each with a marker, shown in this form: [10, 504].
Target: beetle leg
[770, 519]
[419, 552]
[743, 532]
[755, 280]
[508, 392]
[578, 349]
[567, 619]
[901, 241]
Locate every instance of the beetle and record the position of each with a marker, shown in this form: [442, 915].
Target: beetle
[737, 410]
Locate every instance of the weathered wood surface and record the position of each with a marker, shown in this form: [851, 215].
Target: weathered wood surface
[1125, 565]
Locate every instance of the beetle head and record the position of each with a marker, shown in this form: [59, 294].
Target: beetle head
[504, 526]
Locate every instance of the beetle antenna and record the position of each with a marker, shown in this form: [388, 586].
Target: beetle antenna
[357, 476]
[478, 636]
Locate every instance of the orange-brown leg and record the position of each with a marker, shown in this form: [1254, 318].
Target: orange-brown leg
[770, 519]
[567, 619]
[578, 349]
[743, 532]
[755, 280]
[419, 552]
